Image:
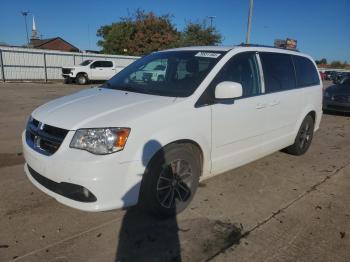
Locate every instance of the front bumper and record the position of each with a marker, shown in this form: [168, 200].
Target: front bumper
[336, 106]
[70, 75]
[113, 184]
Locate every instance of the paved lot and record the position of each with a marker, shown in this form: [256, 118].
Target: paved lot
[280, 208]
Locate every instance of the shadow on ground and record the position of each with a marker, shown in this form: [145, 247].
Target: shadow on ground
[194, 238]
[144, 238]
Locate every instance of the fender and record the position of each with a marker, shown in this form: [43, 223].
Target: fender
[81, 73]
[302, 116]
[162, 139]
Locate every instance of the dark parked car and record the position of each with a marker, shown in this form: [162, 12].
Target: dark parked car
[337, 97]
[340, 76]
[329, 74]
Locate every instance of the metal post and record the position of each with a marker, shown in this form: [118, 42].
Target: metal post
[73, 59]
[45, 67]
[211, 18]
[2, 66]
[25, 13]
[247, 41]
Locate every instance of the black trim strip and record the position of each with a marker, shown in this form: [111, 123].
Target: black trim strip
[68, 190]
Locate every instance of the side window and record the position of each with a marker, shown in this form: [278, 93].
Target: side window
[241, 68]
[102, 64]
[278, 72]
[107, 63]
[305, 71]
[96, 64]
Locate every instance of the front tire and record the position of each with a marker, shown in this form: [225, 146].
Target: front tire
[81, 79]
[304, 137]
[171, 180]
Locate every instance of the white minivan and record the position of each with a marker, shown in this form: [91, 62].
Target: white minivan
[150, 140]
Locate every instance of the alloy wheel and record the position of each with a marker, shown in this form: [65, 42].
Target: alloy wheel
[174, 183]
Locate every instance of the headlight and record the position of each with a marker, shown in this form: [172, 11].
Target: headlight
[100, 141]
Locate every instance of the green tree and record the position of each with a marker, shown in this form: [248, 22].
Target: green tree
[323, 61]
[199, 35]
[143, 33]
[115, 37]
[336, 64]
[139, 34]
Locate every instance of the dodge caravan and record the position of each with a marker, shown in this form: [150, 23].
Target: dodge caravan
[149, 141]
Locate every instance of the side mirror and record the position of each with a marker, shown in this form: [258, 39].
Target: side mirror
[228, 90]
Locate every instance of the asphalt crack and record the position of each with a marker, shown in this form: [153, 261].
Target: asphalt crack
[279, 211]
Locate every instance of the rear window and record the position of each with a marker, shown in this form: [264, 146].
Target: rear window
[106, 64]
[305, 71]
[278, 72]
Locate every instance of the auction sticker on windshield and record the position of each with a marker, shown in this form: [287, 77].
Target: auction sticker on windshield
[207, 54]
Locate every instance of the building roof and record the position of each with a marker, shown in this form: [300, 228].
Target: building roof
[37, 43]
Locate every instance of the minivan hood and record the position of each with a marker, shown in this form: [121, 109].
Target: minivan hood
[98, 107]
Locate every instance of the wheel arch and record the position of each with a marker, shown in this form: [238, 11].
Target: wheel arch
[82, 73]
[308, 111]
[312, 113]
[185, 142]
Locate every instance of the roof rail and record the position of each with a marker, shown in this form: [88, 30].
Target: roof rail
[267, 46]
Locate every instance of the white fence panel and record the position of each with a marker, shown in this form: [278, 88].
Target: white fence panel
[39, 64]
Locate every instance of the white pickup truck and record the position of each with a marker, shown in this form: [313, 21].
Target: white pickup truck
[90, 70]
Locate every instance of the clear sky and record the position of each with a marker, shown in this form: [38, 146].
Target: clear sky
[322, 27]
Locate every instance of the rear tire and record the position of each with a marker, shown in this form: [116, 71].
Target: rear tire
[171, 180]
[81, 79]
[304, 137]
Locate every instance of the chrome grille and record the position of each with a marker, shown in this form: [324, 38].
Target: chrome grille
[44, 139]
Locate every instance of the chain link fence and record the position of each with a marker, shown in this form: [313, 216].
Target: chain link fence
[19, 64]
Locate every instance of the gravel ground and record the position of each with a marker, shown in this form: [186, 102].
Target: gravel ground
[279, 208]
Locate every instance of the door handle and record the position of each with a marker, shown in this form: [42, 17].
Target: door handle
[274, 103]
[260, 106]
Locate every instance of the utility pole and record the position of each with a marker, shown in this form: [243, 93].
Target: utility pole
[211, 18]
[25, 13]
[250, 14]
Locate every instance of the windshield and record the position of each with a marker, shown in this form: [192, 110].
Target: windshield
[345, 82]
[85, 63]
[172, 73]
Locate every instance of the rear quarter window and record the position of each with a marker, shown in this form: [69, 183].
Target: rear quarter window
[306, 72]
